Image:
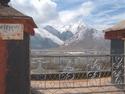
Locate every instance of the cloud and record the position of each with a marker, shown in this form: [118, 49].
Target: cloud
[57, 13]
[107, 21]
[45, 9]
[42, 11]
[71, 15]
[101, 26]
[106, 14]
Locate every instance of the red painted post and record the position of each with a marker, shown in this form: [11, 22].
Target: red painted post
[14, 52]
[3, 66]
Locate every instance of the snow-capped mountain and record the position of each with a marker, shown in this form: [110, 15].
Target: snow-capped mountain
[73, 27]
[53, 31]
[49, 37]
[38, 42]
[73, 36]
[86, 38]
[46, 34]
[65, 35]
[82, 34]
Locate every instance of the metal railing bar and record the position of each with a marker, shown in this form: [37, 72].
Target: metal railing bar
[106, 70]
[92, 86]
[73, 72]
[95, 92]
[59, 55]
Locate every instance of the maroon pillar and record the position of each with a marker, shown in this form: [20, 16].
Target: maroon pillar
[3, 66]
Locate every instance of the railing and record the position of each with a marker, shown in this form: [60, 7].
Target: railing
[78, 74]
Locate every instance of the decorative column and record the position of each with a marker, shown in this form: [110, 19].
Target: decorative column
[117, 36]
[15, 31]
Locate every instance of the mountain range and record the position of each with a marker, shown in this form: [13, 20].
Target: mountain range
[73, 37]
[49, 37]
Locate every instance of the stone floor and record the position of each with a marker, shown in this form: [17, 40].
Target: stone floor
[91, 86]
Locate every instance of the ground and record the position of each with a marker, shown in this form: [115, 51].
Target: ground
[91, 86]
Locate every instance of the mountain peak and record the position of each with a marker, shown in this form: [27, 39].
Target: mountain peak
[73, 35]
[52, 30]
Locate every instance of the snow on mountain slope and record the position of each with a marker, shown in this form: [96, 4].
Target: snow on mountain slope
[61, 35]
[80, 31]
[76, 35]
[38, 42]
[86, 38]
[53, 31]
[73, 27]
[45, 34]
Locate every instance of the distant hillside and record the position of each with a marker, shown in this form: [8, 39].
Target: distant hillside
[49, 37]
[86, 39]
[38, 42]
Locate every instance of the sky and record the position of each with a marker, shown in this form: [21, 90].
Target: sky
[99, 14]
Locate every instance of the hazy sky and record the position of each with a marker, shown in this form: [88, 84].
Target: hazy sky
[99, 14]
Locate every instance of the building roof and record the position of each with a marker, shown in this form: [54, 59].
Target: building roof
[9, 11]
[11, 15]
[119, 26]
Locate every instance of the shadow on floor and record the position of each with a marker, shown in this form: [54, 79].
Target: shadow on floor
[34, 91]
